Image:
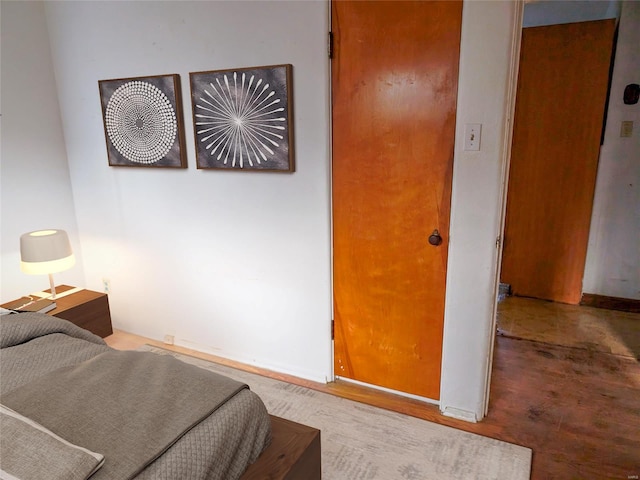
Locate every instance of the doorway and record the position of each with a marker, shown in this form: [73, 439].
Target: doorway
[562, 324]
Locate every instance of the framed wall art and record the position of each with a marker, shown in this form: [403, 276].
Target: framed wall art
[143, 121]
[242, 118]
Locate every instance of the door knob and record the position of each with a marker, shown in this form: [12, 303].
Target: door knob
[435, 239]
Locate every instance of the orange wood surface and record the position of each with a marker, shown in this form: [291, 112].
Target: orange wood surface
[562, 90]
[394, 86]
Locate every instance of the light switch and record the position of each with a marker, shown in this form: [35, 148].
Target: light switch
[626, 129]
[472, 133]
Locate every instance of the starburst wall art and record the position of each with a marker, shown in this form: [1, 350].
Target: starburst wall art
[242, 118]
[143, 121]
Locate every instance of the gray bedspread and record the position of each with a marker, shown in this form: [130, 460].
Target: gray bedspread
[219, 447]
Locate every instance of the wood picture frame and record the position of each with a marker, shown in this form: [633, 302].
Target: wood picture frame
[143, 122]
[243, 118]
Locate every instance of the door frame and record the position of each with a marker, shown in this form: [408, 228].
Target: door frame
[508, 135]
[504, 157]
[509, 114]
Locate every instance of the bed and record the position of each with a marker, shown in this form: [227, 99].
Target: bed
[85, 410]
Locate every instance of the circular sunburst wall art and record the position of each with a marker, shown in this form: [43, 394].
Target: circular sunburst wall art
[142, 121]
[241, 118]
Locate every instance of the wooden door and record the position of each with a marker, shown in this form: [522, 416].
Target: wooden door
[561, 96]
[394, 86]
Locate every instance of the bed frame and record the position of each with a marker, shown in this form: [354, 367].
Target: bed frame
[294, 454]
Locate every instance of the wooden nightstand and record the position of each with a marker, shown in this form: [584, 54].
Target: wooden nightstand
[84, 308]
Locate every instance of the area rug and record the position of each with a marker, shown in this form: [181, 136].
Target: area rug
[361, 442]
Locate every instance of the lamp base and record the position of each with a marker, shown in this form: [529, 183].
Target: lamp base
[53, 287]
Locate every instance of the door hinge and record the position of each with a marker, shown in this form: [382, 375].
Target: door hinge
[330, 45]
[333, 329]
[498, 242]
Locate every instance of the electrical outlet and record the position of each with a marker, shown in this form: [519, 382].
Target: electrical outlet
[106, 285]
[168, 339]
[626, 129]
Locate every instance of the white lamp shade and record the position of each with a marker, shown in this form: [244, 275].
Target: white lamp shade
[45, 251]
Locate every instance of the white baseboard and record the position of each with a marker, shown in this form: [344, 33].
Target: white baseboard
[459, 414]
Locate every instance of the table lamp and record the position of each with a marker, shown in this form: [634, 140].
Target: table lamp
[45, 252]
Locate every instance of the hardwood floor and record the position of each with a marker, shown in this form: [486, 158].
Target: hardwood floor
[578, 326]
[578, 409]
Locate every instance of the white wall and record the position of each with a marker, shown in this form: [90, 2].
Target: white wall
[238, 264]
[35, 188]
[613, 258]
[234, 263]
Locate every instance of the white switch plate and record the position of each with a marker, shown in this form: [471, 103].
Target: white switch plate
[472, 134]
[626, 129]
